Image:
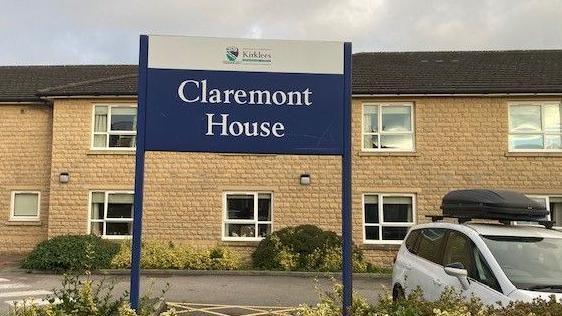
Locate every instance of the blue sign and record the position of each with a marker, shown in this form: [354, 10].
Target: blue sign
[244, 96]
[244, 112]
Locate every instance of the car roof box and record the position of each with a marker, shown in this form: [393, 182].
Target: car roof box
[492, 204]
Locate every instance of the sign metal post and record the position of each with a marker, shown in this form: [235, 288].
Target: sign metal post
[347, 263]
[244, 96]
[139, 175]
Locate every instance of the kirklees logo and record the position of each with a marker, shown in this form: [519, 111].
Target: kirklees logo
[248, 56]
[231, 54]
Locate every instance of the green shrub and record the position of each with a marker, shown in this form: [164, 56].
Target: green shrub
[86, 297]
[157, 255]
[450, 303]
[71, 253]
[304, 248]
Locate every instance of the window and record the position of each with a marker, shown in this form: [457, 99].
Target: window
[430, 243]
[553, 204]
[111, 214]
[387, 217]
[535, 126]
[484, 274]
[114, 126]
[247, 216]
[25, 206]
[528, 262]
[412, 241]
[460, 249]
[388, 127]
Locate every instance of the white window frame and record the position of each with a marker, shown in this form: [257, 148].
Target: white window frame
[379, 126]
[105, 219]
[254, 221]
[382, 223]
[542, 132]
[109, 132]
[15, 218]
[547, 199]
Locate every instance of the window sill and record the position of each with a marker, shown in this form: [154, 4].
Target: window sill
[388, 153]
[380, 246]
[16, 222]
[246, 154]
[533, 154]
[116, 237]
[240, 243]
[111, 152]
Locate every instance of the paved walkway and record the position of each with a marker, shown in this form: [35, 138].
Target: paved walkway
[16, 291]
[205, 290]
[10, 260]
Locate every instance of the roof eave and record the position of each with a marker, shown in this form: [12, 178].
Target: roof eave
[88, 95]
[458, 92]
[21, 100]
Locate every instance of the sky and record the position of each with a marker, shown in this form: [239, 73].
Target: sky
[107, 31]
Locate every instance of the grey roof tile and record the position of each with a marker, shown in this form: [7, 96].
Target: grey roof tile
[26, 83]
[531, 71]
[463, 72]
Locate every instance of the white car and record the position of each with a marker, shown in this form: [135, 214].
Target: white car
[498, 263]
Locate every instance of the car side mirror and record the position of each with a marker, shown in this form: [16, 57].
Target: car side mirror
[457, 270]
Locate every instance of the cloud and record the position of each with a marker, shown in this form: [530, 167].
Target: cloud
[106, 31]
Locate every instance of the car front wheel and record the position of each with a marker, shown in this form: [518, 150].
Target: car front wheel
[398, 293]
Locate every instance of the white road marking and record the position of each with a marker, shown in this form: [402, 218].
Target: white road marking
[9, 286]
[6, 291]
[25, 293]
[35, 302]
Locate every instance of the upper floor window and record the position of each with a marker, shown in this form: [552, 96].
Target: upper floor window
[25, 206]
[388, 127]
[247, 215]
[535, 126]
[387, 217]
[114, 126]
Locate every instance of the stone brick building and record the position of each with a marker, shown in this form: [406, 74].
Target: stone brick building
[424, 123]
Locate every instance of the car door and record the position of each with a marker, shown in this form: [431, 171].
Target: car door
[482, 282]
[426, 271]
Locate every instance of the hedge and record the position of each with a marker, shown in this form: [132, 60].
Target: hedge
[305, 248]
[301, 248]
[451, 303]
[167, 255]
[71, 253]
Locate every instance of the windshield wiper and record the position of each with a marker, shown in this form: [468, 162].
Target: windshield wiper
[546, 287]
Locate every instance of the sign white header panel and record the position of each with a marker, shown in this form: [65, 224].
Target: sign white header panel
[228, 54]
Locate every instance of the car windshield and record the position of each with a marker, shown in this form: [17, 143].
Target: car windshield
[530, 263]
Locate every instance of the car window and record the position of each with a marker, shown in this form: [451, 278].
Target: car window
[411, 241]
[430, 243]
[528, 262]
[484, 274]
[459, 250]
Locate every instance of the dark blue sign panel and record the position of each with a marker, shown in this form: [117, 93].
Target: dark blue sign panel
[244, 96]
[244, 112]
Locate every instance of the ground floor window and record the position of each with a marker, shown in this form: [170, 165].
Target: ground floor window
[247, 215]
[387, 217]
[111, 214]
[553, 204]
[25, 206]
